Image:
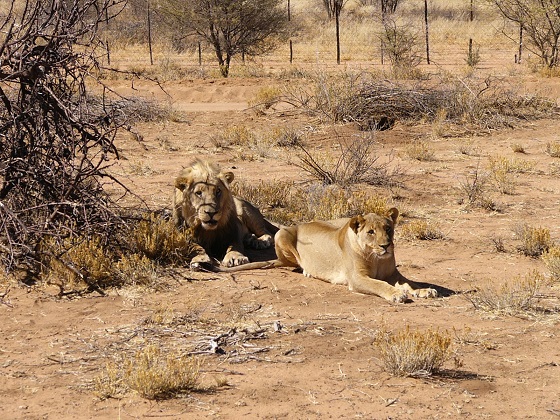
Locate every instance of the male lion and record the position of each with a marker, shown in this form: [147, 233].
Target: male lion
[221, 224]
[357, 251]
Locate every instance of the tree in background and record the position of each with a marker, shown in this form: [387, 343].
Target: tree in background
[231, 27]
[540, 21]
[334, 8]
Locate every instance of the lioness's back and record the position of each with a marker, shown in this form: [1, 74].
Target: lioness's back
[319, 248]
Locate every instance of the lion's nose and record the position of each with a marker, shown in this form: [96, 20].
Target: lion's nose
[210, 213]
[384, 246]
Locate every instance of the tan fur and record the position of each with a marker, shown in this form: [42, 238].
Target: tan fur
[221, 224]
[357, 252]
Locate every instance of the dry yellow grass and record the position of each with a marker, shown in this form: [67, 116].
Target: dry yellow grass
[152, 373]
[414, 353]
[551, 258]
[517, 297]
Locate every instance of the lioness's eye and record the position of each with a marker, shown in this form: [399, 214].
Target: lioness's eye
[218, 192]
[371, 232]
[198, 193]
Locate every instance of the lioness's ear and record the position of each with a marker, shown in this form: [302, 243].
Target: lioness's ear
[355, 223]
[228, 176]
[393, 213]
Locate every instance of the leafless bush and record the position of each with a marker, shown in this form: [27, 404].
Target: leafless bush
[484, 104]
[400, 44]
[472, 103]
[55, 147]
[356, 164]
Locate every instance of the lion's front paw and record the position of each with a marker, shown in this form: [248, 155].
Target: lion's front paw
[234, 258]
[425, 293]
[262, 242]
[201, 262]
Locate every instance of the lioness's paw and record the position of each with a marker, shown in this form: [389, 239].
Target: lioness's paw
[262, 242]
[425, 293]
[400, 296]
[234, 258]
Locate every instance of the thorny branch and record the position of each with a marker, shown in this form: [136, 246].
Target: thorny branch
[56, 141]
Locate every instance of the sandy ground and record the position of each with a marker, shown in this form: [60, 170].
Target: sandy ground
[293, 347]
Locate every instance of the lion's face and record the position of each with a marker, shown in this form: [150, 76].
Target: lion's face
[206, 197]
[374, 233]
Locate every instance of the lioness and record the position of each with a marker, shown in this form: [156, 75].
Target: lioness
[221, 224]
[357, 251]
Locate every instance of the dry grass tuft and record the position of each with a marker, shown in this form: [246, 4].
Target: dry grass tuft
[285, 203]
[78, 263]
[236, 135]
[83, 264]
[517, 297]
[534, 241]
[151, 373]
[421, 151]
[551, 258]
[155, 375]
[265, 98]
[422, 230]
[286, 137]
[475, 189]
[518, 148]
[553, 149]
[414, 353]
[135, 269]
[161, 241]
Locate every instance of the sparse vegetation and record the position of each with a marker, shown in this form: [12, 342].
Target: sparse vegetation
[476, 104]
[285, 203]
[265, 98]
[414, 353]
[516, 298]
[75, 263]
[88, 264]
[152, 373]
[159, 240]
[475, 188]
[164, 331]
[551, 258]
[518, 148]
[356, 164]
[423, 230]
[534, 240]
[553, 149]
[421, 151]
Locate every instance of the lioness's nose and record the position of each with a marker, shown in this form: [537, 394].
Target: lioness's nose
[384, 246]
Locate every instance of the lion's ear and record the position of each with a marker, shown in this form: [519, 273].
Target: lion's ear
[355, 223]
[181, 183]
[393, 213]
[228, 176]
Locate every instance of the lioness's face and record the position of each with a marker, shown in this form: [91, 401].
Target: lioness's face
[375, 233]
[207, 199]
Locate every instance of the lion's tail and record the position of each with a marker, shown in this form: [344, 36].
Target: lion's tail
[258, 265]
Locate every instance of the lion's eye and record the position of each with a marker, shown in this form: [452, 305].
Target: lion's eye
[371, 232]
[218, 192]
[198, 193]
